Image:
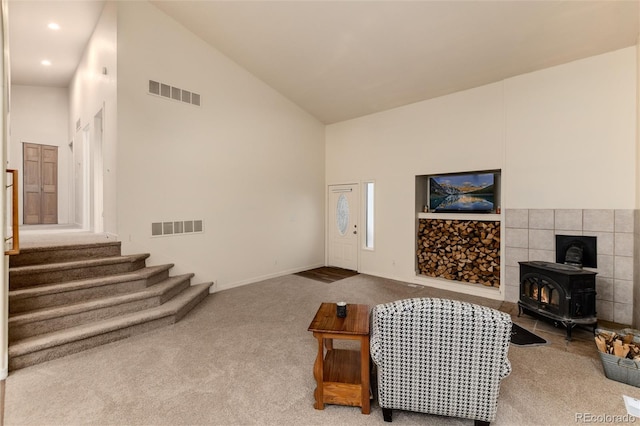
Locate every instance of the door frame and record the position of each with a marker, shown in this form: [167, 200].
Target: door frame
[358, 201]
[97, 172]
[93, 174]
[86, 178]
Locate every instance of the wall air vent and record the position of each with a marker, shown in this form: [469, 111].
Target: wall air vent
[154, 87]
[177, 227]
[173, 93]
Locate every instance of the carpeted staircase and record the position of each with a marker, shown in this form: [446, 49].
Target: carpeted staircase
[66, 299]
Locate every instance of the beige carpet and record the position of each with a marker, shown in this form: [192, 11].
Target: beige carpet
[244, 357]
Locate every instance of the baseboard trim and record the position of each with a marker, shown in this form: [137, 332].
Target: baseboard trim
[441, 284]
[266, 277]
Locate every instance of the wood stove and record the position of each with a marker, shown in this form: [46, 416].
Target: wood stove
[564, 294]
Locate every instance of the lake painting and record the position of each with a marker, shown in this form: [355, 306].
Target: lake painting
[472, 192]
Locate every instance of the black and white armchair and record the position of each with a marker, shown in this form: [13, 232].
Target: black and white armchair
[440, 357]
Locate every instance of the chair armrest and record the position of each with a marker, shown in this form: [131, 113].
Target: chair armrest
[506, 369]
[375, 343]
[375, 349]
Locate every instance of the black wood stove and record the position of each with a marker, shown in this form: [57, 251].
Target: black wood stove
[564, 294]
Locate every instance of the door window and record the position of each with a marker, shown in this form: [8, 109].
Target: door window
[342, 214]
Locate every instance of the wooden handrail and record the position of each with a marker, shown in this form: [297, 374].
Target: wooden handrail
[15, 237]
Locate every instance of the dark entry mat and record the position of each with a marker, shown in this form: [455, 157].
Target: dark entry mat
[327, 274]
[522, 337]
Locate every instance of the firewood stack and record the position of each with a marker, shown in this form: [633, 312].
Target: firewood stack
[461, 250]
[619, 345]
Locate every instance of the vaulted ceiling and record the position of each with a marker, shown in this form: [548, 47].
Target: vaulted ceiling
[344, 59]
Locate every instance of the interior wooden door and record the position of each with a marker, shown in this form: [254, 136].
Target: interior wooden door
[40, 184]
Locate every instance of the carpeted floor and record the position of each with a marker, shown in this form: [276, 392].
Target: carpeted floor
[244, 357]
[327, 274]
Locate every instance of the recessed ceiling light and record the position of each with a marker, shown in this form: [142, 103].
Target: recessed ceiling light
[45, 62]
[53, 26]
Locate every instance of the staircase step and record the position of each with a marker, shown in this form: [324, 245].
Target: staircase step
[43, 321]
[58, 294]
[33, 275]
[45, 347]
[64, 253]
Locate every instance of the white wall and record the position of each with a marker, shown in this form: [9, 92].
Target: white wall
[90, 91]
[579, 117]
[40, 115]
[570, 134]
[248, 161]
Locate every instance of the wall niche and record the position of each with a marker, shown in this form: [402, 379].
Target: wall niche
[460, 250]
[458, 226]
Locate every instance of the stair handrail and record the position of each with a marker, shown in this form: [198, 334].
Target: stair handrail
[15, 237]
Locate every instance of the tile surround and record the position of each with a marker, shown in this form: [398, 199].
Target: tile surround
[623, 221]
[568, 219]
[541, 219]
[517, 218]
[541, 239]
[605, 241]
[518, 238]
[530, 235]
[542, 255]
[598, 220]
[623, 244]
[515, 255]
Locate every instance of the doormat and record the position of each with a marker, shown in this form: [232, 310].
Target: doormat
[522, 337]
[327, 274]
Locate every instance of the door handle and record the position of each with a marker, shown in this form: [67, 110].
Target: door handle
[355, 232]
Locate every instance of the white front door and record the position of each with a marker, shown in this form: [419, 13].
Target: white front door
[343, 226]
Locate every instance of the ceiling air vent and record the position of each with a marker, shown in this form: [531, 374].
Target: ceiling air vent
[173, 93]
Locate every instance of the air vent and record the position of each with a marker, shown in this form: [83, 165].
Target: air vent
[177, 227]
[176, 93]
[156, 228]
[173, 93]
[167, 228]
[165, 90]
[154, 87]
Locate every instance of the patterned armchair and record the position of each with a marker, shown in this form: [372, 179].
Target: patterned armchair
[440, 357]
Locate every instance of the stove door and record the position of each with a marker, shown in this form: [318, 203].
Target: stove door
[539, 292]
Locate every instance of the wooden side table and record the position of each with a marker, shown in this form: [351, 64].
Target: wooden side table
[342, 375]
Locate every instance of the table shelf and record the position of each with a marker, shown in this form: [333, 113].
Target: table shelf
[342, 366]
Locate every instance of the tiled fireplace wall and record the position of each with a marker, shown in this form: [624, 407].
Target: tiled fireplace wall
[530, 235]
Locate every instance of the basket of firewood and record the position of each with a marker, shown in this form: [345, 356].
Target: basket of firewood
[620, 354]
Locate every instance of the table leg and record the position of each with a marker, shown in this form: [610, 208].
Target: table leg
[328, 343]
[318, 370]
[364, 374]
